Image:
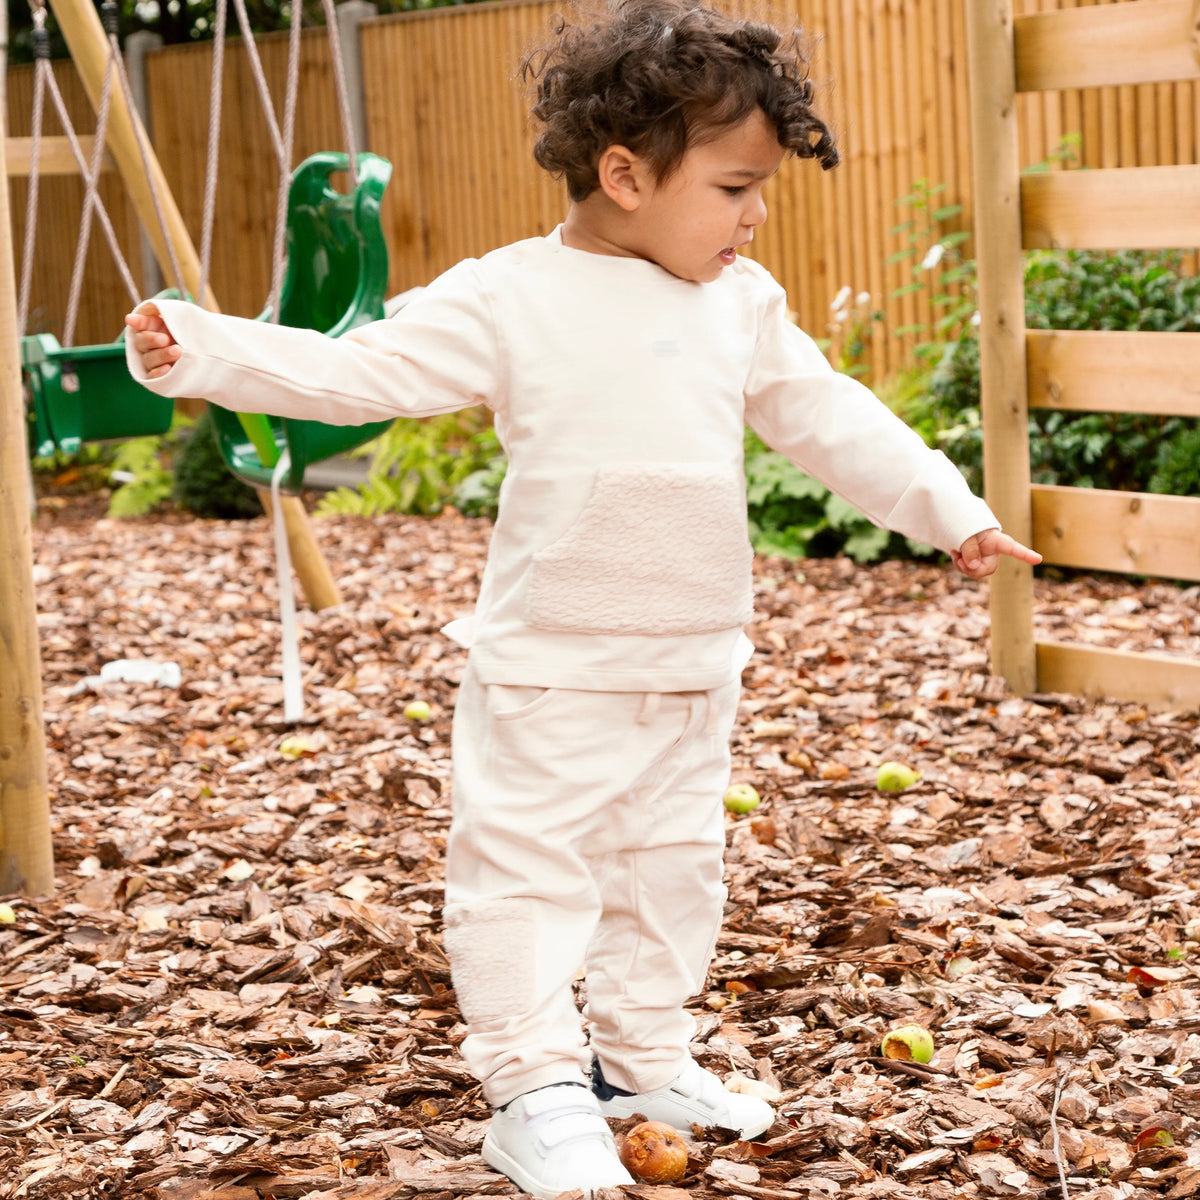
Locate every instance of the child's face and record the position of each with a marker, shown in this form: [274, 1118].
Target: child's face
[693, 222]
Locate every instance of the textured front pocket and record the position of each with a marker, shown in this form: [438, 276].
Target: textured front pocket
[659, 550]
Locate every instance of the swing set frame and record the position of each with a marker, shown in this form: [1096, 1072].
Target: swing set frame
[26, 857]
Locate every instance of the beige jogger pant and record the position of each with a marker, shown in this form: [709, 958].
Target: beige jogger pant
[588, 830]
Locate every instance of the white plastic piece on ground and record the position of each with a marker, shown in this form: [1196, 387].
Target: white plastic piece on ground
[132, 670]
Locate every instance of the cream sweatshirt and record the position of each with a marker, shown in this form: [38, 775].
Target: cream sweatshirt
[620, 559]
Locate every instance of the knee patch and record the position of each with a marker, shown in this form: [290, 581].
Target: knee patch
[490, 945]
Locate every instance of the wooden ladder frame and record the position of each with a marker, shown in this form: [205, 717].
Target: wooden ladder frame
[1132, 372]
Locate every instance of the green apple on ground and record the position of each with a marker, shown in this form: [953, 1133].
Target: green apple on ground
[741, 798]
[908, 1043]
[895, 777]
[417, 710]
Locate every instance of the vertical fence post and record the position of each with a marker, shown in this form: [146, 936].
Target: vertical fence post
[26, 858]
[350, 15]
[996, 168]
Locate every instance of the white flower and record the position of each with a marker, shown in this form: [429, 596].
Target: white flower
[863, 298]
[839, 315]
[976, 318]
[839, 301]
[933, 256]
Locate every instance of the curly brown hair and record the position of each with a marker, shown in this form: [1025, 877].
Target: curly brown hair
[660, 76]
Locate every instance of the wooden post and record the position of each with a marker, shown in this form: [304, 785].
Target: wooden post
[88, 44]
[26, 858]
[997, 202]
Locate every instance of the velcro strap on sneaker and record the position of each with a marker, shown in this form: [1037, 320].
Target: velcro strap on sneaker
[571, 1126]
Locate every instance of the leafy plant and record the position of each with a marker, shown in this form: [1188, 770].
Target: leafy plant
[934, 253]
[144, 480]
[203, 484]
[850, 319]
[794, 515]
[1078, 289]
[418, 465]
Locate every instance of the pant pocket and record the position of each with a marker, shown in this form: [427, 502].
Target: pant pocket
[660, 549]
[510, 702]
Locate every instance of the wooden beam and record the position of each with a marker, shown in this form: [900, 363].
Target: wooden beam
[1143, 208]
[1106, 46]
[26, 857]
[1002, 329]
[86, 40]
[1134, 533]
[1114, 371]
[1156, 680]
[54, 157]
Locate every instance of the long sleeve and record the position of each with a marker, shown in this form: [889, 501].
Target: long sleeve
[438, 354]
[838, 431]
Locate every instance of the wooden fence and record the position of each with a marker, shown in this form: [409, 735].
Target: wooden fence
[443, 104]
[1126, 205]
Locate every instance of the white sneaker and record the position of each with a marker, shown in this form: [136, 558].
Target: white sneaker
[694, 1097]
[554, 1140]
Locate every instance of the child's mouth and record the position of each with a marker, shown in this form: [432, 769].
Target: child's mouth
[728, 256]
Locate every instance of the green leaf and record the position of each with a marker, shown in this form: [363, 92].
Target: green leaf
[841, 514]
[868, 544]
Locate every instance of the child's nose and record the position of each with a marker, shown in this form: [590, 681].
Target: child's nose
[756, 211]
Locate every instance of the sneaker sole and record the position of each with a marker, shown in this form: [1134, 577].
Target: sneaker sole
[506, 1165]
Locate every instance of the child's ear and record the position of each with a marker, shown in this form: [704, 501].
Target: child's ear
[622, 177]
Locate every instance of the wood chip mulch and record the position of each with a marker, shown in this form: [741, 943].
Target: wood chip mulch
[239, 991]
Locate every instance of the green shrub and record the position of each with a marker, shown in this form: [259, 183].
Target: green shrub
[203, 484]
[417, 465]
[1078, 289]
[796, 516]
[143, 477]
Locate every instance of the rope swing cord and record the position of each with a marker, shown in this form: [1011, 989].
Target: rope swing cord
[282, 140]
[93, 202]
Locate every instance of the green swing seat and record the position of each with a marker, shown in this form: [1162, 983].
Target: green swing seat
[335, 280]
[84, 394]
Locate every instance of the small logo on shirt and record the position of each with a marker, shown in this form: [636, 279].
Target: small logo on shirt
[667, 349]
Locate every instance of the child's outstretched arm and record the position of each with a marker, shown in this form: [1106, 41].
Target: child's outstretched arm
[438, 355]
[980, 554]
[152, 340]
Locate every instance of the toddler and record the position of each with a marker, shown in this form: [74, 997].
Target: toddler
[622, 356]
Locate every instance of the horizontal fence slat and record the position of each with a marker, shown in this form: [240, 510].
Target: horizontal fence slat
[1131, 532]
[1154, 679]
[1114, 371]
[54, 156]
[1147, 208]
[1105, 46]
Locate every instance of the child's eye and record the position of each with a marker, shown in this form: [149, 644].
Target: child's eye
[734, 189]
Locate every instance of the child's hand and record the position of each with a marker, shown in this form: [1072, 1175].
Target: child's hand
[152, 340]
[978, 555]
